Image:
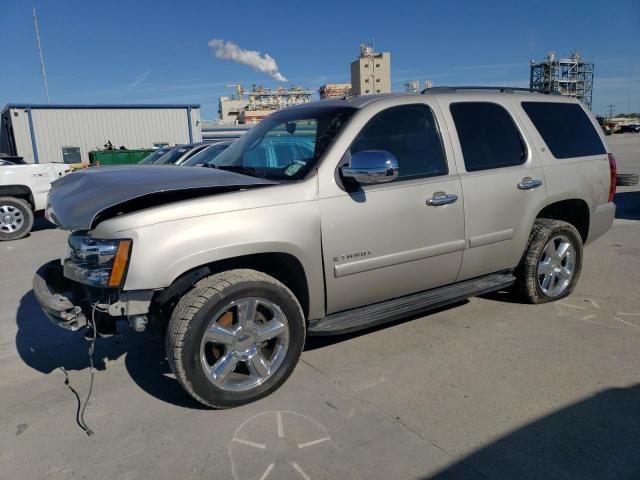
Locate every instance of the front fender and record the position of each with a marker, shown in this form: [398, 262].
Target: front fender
[164, 251]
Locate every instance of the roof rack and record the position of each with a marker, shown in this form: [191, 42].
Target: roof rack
[498, 89]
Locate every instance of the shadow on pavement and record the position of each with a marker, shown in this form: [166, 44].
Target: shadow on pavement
[503, 296]
[46, 347]
[315, 342]
[596, 438]
[628, 205]
[41, 223]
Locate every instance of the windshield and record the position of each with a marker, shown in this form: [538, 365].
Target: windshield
[285, 145]
[207, 155]
[152, 157]
[172, 155]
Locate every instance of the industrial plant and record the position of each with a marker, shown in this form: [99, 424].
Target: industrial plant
[249, 107]
[370, 74]
[334, 90]
[570, 76]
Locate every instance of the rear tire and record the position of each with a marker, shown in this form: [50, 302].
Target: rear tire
[235, 338]
[16, 218]
[551, 265]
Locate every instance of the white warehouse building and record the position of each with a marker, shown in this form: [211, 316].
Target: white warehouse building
[67, 133]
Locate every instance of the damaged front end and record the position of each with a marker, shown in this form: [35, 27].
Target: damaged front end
[72, 306]
[89, 283]
[86, 285]
[60, 298]
[81, 200]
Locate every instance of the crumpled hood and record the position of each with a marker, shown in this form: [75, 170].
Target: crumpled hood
[78, 200]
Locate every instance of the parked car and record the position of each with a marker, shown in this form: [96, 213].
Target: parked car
[23, 191]
[631, 128]
[278, 151]
[180, 154]
[207, 155]
[403, 203]
[6, 159]
[153, 156]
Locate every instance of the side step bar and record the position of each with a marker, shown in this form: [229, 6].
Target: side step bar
[390, 310]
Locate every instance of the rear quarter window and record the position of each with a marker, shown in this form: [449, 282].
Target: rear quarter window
[565, 128]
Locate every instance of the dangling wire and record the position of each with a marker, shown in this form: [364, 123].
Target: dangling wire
[82, 406]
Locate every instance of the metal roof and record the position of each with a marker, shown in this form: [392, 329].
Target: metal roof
[97, 106]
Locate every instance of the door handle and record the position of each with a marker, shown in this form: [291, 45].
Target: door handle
[529, 184]
[441, 199]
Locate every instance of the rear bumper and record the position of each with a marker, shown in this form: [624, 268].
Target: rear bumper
[57, 298]
[601, 221]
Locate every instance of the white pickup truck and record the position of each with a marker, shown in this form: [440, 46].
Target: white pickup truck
[23, 191]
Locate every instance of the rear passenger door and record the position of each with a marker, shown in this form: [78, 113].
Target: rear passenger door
[502, 179]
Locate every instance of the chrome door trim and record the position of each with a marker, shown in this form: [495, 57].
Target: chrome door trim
[397, 258]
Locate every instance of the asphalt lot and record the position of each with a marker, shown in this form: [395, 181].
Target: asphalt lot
[485, 389]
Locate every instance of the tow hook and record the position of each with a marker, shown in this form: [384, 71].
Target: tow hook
[138, 322]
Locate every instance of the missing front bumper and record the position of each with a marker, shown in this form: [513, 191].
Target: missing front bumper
[67, 303]
[57, 297]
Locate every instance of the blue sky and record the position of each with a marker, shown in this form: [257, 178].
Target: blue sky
[142, 51]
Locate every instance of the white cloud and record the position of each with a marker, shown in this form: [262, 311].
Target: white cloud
[262, 63]
[139, 79]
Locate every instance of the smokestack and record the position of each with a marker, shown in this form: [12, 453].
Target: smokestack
[262, 63]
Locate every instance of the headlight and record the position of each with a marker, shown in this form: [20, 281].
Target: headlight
[100, 263]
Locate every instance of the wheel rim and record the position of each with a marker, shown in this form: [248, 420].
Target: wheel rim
[244, 344]
[11, 218]
[556, 266]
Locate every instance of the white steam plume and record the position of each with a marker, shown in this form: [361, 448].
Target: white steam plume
[262, 63]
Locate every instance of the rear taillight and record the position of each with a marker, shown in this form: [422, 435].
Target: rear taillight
[614, 173]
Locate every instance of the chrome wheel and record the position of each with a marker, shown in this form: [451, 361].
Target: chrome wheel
[556, 266]
[11, 218]
[244, 344]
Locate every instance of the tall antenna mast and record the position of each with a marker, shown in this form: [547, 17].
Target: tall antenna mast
[44, 72]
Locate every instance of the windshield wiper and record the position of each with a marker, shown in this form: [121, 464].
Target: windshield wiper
[251, 171]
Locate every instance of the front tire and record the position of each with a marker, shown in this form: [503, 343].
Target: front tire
[235, 338]
[16, 218]
[552, 263]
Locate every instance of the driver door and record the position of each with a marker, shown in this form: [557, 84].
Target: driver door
[388, 240]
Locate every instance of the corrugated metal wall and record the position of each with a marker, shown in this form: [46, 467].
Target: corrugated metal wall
[21, 134]
[90, 129]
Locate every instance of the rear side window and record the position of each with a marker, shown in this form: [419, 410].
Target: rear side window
[565, 128]
[488, 136]
[410, 133]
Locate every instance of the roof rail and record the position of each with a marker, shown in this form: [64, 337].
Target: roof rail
[498, 89]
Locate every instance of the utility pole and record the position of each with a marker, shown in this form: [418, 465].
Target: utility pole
[44, 72]
[629, 96]
[612, 108]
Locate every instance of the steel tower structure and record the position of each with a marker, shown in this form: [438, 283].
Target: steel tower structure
[571, 76]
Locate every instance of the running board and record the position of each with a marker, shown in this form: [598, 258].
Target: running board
[390, 310]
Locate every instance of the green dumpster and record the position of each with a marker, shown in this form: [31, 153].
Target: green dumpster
[117, 157]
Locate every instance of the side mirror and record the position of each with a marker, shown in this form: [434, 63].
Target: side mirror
[371, 166]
